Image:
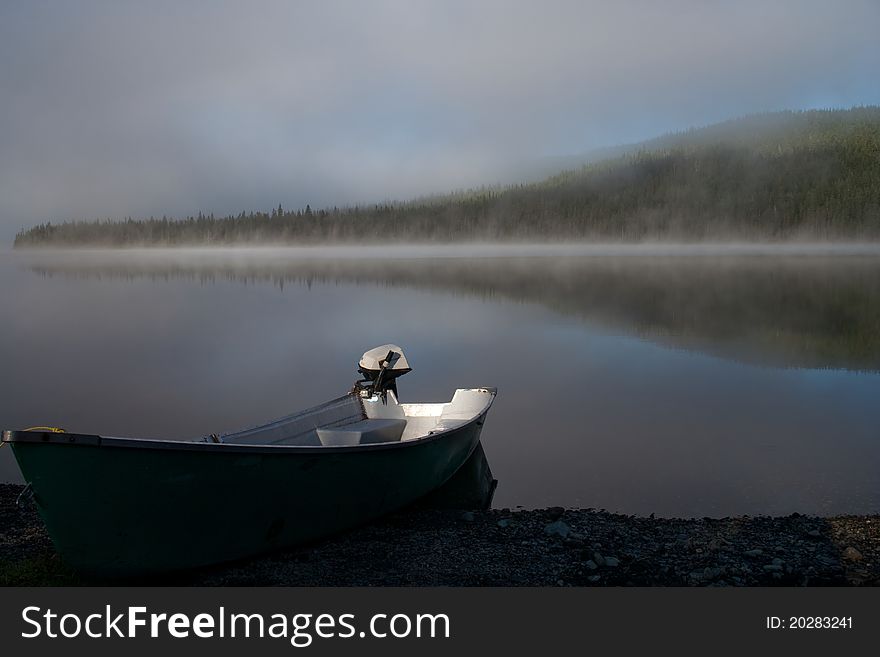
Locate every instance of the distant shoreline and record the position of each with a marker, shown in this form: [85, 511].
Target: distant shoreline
[498, 249]
[500, 547]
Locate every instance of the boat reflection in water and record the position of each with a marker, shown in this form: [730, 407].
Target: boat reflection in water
[472, 487]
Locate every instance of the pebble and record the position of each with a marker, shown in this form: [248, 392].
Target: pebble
[612, 562]
[757, 552]
[599, 559]
[468, 516]
[557, 528]
[504, 522]
[851, 554]
[706, 575]
[590, 564]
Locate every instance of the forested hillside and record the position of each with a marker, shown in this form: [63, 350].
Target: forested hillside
[788, 175]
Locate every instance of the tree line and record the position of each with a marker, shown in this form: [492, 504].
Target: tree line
[786, 175]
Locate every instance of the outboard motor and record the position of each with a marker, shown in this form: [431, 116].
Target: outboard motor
[381, 366]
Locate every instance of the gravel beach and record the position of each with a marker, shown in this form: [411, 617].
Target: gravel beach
[500, 547]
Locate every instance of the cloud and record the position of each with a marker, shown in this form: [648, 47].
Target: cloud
[125, 108]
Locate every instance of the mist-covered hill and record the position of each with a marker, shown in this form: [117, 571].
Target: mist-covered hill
[779, 176]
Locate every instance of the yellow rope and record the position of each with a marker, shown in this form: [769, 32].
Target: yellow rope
[49, 429]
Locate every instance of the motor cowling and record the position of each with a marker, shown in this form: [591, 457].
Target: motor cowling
[381, 366]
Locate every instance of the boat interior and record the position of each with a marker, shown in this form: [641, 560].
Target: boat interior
[355, 420]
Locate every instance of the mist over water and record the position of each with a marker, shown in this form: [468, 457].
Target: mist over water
[674, 379]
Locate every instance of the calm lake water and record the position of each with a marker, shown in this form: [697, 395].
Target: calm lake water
[676, 381]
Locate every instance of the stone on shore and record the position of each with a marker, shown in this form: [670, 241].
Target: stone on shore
[852, 554]
[557, 528]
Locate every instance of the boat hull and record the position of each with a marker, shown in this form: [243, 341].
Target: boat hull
[117, 508]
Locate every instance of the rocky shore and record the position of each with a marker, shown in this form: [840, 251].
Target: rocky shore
[500, 547]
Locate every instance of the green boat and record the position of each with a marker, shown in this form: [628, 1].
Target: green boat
[122, 507]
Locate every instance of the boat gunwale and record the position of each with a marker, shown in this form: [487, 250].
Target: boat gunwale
[95, 440]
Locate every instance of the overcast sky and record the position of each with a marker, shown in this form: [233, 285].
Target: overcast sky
[137, 108]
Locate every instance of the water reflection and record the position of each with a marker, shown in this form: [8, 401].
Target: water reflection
[809, 311]
[472, 487]
[594, 408]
